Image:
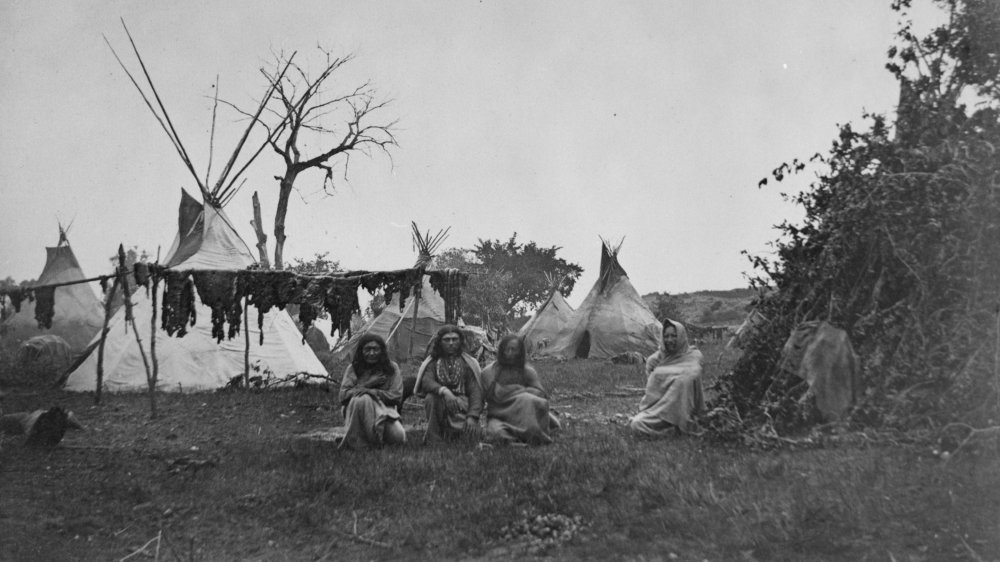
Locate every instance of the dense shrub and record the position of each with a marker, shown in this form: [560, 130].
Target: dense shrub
[900, 245]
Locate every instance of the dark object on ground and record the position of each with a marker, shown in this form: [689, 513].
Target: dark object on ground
[43, 427]
[49, 428]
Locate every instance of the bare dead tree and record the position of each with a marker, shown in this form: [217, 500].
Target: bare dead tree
[340, 124]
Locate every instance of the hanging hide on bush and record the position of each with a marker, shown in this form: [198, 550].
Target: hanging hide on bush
[823, 357]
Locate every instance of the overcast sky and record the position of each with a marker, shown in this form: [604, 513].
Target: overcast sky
[563, 121]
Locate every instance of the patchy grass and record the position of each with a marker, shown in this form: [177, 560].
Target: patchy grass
[225, 476]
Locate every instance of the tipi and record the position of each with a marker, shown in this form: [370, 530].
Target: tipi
[205, 240]
[548, 321]
[78, 313]
[612, 320]
[407, 332]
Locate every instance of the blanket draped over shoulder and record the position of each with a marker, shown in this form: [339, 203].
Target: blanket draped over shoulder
[673, 389]
[369, 402]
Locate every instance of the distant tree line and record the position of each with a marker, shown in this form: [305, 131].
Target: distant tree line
[509, 278]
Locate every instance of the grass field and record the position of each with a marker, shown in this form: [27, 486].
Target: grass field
[228, 476]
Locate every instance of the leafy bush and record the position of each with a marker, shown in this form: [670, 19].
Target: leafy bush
[900, 245]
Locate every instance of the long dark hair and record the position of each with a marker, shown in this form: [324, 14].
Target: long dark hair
[436, 350]
[359, 363]
[520, 361]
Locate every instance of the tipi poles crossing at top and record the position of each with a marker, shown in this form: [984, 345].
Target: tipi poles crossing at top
[222, 191]
[171, 133]
[425, 245]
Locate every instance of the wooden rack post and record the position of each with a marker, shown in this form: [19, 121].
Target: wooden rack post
[416, 309]
[104, 336]
[152, 326]
[246, 347]
[130, 319]
[152, 342]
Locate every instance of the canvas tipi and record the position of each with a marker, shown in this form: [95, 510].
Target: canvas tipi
[205, 240]
[612, 320]
[408, 331]
[77, 314]
[548, 321]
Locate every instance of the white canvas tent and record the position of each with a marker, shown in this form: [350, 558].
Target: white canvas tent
[408, 331]
[78, 313]
[205, 240]
[399, 328]
[318, 335]
[612, 320]
[547, 322]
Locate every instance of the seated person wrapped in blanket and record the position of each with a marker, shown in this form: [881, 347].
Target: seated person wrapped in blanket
[449, 381]
[371, 389]
[517, 406]
[673, 386]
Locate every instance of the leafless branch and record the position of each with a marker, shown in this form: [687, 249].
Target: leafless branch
[300, 101]
[360, 91]
[219, 191]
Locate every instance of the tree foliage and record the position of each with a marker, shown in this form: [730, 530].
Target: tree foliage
[508, 278]
[900, 244]
[527, 265]
[664, 305]
[319, 264]
[10, 283]
[484, 299]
